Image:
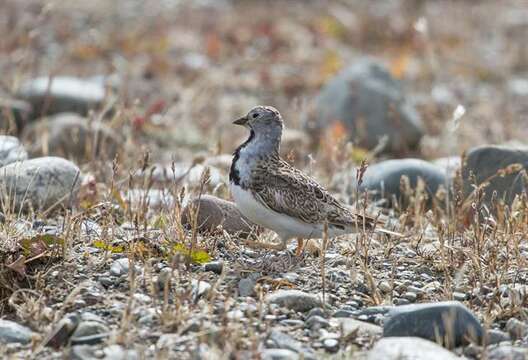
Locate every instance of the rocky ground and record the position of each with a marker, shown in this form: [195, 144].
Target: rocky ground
[118, 239]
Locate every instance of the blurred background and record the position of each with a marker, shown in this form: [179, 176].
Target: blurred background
[396, 78]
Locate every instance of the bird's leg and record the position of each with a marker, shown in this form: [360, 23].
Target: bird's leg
[300, 247]
[262, 245]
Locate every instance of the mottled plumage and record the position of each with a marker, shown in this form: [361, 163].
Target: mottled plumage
[274, 194]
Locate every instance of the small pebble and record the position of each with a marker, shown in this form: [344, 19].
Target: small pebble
[331, 345]
[385, 287]
[410, 296]
[214, 266]
[459, 296]
[401, 301]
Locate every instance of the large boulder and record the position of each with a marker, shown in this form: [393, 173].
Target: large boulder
[383, 180]
[486, 164]
[40, 183]
[51, 95]
[370, 104]
[11, 150]
[449, 323]
[71, 136]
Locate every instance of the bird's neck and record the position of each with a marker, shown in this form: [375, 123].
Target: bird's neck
[260, 145]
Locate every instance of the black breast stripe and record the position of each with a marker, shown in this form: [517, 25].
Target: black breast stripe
[234, 176]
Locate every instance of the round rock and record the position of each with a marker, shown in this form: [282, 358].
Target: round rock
[40, 183]
[448, 322]
[11, 332]
[369, 104]
[11, 150]
[485, 162]
[382, 180]
[213, 212]
[294, 299]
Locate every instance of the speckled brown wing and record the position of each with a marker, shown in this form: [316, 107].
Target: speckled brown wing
[287, 190]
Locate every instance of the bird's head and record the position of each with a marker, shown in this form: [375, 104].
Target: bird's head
[261, 119]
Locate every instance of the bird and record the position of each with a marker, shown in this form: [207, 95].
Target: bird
[277, 196]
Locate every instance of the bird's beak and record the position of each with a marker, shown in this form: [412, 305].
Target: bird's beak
[242, 121]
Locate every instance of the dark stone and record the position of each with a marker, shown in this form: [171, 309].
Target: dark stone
[370, 104]
[214, 266]
[486, 161]
[449, 323]
[61, 333]
[382, 180]
[11, 332]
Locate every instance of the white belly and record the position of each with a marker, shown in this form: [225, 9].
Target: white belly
[285, 226]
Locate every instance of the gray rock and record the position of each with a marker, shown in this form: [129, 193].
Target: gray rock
[507, 352]
[117, 352]
[294, 299]
[414, 348]
[120, 267]
[449, 323]
[71, 136]
[485, 161]
[213, 212]
[86, 328]
[200, 288]
[331, 345]
[89, 339]
[14, 114]
[516, 328]
[62, 94]
[370, 103]
[281, 340]
[353, 326]
[11, 150]
[214, 266]
[495, 336]
[41, 183]
[316, 322]
[11, 332]
[278, 354]
[317, 311]
[246, 287]
[83, 352]
[382, 180]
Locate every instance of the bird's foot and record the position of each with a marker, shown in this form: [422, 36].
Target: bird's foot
[300, 247]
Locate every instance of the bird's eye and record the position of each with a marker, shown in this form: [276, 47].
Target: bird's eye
[255, 116]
